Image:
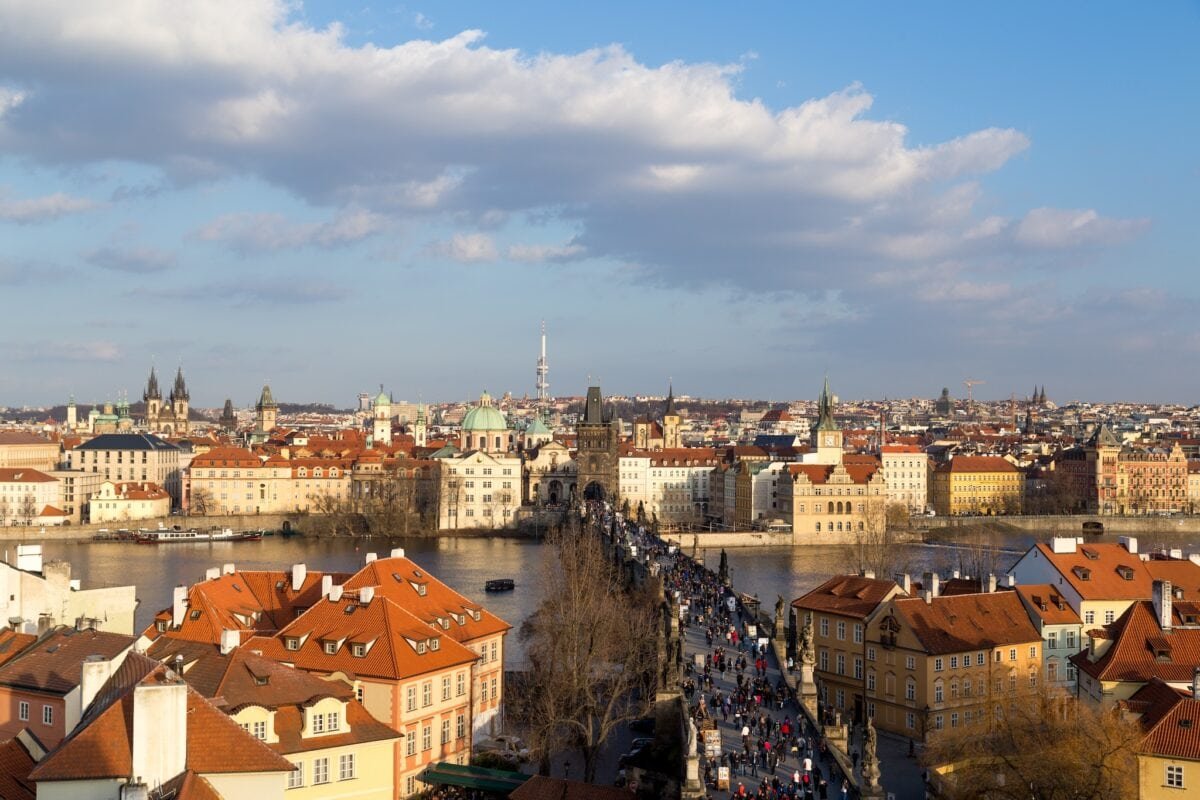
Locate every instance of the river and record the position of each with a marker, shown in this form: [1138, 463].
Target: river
[465, 563]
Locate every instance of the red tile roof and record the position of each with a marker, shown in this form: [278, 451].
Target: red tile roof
[24, 475]
[967, 621]
[1134, 655]
[1171, 721]
[848, 595]
[1047, 604]
[12, 644]
[55, 663]
[1106, 565]
[977, 464]
[15, 765]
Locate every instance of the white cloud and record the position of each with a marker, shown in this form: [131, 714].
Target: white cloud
[539, 253]
[422, 22]
[42, 209]
[137, 260]
[9, 99]
[467, 248]
[269, 232]
[1055, 228]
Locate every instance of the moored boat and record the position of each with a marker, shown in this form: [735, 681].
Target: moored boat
[178, 536]
[500, 585]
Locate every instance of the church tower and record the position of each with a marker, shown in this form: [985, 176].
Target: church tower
[72, 414]
[381, 429]
[228, 418]
[670, 423]
[829, 435]
[152, 397]
[179, 403]
[267, 409]
[419, 432]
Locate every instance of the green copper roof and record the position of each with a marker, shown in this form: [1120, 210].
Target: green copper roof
[484, 417]
[537, 427]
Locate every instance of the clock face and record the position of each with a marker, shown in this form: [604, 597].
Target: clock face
[829, 439]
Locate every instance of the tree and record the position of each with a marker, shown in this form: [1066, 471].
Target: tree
[874, 548]
[591, 647]
[200, 502]
[28, 509]
[1047, 746]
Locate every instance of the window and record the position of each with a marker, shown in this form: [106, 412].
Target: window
[412, 698]
[320, 771]
[938, 692]
[1070, 640]
[824, 626]
[296, 776]
[841, 630]
[445, 687]
[954, 720]
[979, 659]
[1108, 618]
[1175, 776]
[1012, 654]
[1089, 617]
[345, 766]
[358, 693]
[427, 737]
[460, 726]
[966, 687]
[47, 715]
[910, 689]
[494, 652]
[446, 731]
[910, 662]
[954, 689]
[824, 660]
[331, 648]
[870, 654]
[426, 694]
[23, 711]
[495, 689]
[841, 664]
[358, 650]
[1033, 651]
[1052, 640]
[260, 730]
[858, 665]
[318, 723]
[937, 722]
[871, 681]
[461, 688]
[332, 721]
[410, 743]
[937, 665]
[910, 721]
[953, 662]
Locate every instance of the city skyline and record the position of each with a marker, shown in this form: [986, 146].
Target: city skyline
[329, 198]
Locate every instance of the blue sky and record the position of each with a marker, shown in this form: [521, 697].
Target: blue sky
[739, 198]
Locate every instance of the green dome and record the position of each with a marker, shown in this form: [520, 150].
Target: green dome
[537, 427]
[382, 399]
[484, 417]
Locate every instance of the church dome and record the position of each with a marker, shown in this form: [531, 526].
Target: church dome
[484, 417]
[382, 399]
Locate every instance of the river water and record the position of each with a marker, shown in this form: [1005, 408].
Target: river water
[466, 563]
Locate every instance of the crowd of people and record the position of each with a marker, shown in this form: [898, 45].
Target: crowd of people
[781, 756]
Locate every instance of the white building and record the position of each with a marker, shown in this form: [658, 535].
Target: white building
[32, 592]
[906, 471]
[26, 494]
[672, 484]
[479, 490]
[131, 457]
[129, 501]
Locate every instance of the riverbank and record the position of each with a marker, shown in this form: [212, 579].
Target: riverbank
[731, 539]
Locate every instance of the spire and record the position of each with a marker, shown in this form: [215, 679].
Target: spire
[265, 400]
[670, 412]
[825, 421]
[179, 391]
[152, 392]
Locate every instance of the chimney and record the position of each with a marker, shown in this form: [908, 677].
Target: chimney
[1129, 543]
[135, 790]
[1196, 683]
[991, 584]
[397, 552]
[927, 595]
[178, 605]
[868, 573]
[212, 573]
[96, 672]
[369, 558]
[326, 585]
[299, 571]
[904, 580]
[335, 593]
[230, 639]
[1161, 595]
[957, 574]
[366, 594]
[1062, 544]
[1012, 581]
[227, 569]
[1176, 554]
[159, 730]
[932, 583]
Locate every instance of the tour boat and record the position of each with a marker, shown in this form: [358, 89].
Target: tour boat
[500, 585]
[173, 536]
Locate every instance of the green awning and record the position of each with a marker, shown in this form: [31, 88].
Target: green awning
[444, 773]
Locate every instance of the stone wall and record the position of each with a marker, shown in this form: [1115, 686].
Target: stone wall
[1070, 525]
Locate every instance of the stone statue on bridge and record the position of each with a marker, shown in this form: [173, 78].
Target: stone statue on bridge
[870, 762]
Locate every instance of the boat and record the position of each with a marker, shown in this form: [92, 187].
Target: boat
[500, 585]
[179, 536]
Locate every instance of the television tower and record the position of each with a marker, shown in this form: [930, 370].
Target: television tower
[543, 385]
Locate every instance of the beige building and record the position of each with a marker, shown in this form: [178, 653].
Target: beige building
[121, 457]
[479, 490]
[77, 488]
[670, 484]
[129, 502]
[26, 494]
[23, 449]
[549, 474]
[233, 480]
[906, 472]
[955, 663]
[846, 498]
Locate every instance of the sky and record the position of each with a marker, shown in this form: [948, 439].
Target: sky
[736, 198]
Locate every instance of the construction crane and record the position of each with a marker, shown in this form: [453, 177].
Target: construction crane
[971, 383]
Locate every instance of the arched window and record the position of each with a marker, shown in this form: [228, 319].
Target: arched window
[860, 526]
[830, 506]
[818, 527]
[497, 442]
[839, 508]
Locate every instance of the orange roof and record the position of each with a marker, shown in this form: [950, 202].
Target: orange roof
[15, 765]
[101, 747]
[55, 663]
[1047, 604]
[847, 595]
[1137, 651]
[1107, 571]
[859, 472]
[12, 644]
[967, 621]
[227, 457]
[977, 464]
[24, 475]
[901, 448]
[51, 511]
[1171, 721]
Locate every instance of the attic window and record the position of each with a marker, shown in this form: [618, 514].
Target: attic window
[236, 588]
[195, 614]
[358, 649]
[260, 680]
[396, 576]
[331, 647]
[444, 622]
[350, 608]
[475, 615]
[434, 644]
[279, 584]
[291, 643]
[1090, 555]
[1083, 573]
[417, 573]
[1125, 572]
[420, 648]
[1185, 723]
[161, 625]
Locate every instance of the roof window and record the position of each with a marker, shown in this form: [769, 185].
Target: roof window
[1125, 572]
[434, 644]
[358, 649]
[331, 647]
[1090, 554]
[291, 643]
[195, 613]
[1083, 573]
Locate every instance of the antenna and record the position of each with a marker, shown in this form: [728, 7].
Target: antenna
[543, 369]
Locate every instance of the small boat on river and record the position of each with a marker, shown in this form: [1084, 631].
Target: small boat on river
[177, 536]
[500, 585]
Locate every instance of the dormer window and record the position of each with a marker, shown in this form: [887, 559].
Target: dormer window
[161, 626]
[331, 647]
[195, 614]
[358, 649]
[291, 643]
[1125, 572]
[420, 648]
[1083, 573]
[434, 644]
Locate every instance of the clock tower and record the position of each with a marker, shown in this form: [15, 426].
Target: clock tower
[829, 435]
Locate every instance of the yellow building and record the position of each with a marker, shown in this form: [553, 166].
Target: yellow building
[977, 485]
[833, 501]
[1169, 752]
[233, 480]
[954, 663]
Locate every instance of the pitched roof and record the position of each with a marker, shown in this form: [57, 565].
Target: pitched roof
[1047, 604]
[24, 475]
[1171, 721]
[55, 663]
[848, 595]
[967, 621]
[12, 644]
[101, 746]
[126, 441]
[1135, 654]
[977, 464]
[227, 457]
[1108, 571]
[15, 765]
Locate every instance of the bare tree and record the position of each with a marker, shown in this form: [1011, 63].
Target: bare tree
[200, 501]
[874, 547]
[4, 511]
[28, 509]
[592, 651]
[1046, 746]
[332, 516]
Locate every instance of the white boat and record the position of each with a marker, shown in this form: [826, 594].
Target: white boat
[174, 536]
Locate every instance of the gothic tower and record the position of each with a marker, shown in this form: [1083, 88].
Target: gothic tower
[829, 435]
[179, 403]
[419, 432]
[597, 439]
[381, 429]
[670, 423]
[267, 409]
[153, 400]
[228, 419]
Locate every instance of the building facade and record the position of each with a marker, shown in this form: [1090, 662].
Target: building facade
[121, 457]
[977, 485]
